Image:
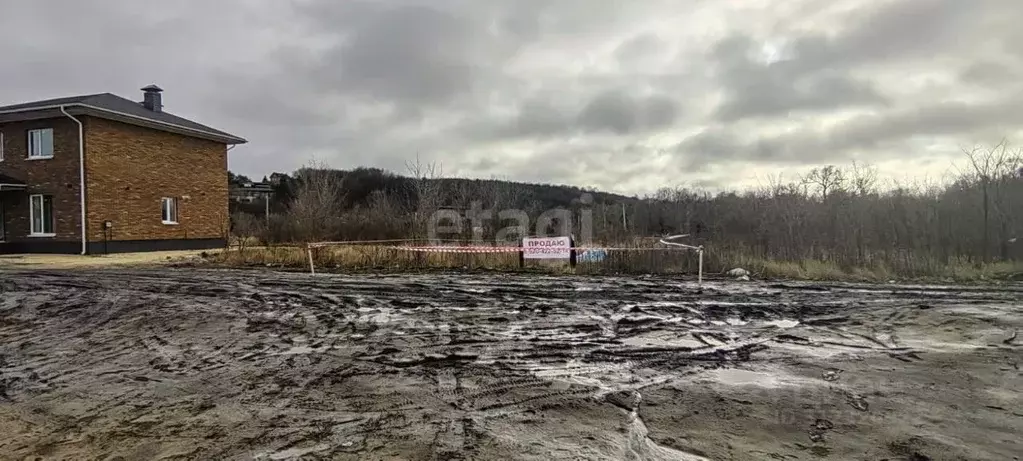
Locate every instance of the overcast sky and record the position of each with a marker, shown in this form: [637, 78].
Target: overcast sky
[625, 96]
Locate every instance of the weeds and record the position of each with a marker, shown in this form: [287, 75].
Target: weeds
[368, 257]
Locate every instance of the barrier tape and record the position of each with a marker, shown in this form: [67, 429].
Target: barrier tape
[453, 249]
[369, 242]
[670, 246]
[486, 249]
[504, 249]
[585, 254]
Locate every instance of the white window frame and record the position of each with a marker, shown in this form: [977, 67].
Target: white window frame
[172, 214]
[35, 143]
[32, 216]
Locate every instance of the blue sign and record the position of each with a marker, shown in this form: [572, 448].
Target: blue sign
[595, 255]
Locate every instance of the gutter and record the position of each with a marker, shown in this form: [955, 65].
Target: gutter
[81, 174]
[217, 137]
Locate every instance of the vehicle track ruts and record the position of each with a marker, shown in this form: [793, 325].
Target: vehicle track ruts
[222, 364]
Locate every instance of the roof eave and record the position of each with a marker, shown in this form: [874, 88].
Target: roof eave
[135, 120]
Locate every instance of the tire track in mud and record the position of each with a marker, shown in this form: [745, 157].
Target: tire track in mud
[371, 363]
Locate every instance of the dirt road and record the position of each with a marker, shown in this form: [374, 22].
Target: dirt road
[206, 364]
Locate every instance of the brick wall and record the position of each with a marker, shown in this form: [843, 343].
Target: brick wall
[129, 169]
[57, 177]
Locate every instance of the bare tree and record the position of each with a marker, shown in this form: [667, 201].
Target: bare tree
[315, 212]
[825, 180]
[988, 166]
[864, 178]
[427, 189]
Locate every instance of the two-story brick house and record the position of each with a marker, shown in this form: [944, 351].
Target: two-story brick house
[101, 173]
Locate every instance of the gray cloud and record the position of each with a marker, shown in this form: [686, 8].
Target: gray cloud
[610, 112]
[410, 54]
[619, 113]
[617, 95]
[870, 136]
[755, 89]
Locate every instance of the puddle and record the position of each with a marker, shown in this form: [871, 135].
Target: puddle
[736, 377]
[293, 453]
[735, 322]
[782, 323]
[640, 341]
[940, 346]
[739, 377]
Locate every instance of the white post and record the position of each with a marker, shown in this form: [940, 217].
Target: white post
[312, 270]
[700, 277]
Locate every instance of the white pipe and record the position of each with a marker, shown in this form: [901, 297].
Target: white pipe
[81, 174]
[665, 241]
[698, 249]
[700, 279]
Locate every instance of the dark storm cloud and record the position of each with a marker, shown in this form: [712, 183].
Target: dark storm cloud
[538, 118]
[610, 112]
[587, 88]
[634, 49]
[814, 71]
[992, 73]
[861, 134]
[409, 54]
[894, 31]
[617, 112]
[756, 89]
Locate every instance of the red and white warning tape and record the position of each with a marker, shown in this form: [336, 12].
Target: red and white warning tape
[460, 249]
[489, 249]
[486, 249]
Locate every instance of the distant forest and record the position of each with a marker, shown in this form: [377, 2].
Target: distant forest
[834, 213]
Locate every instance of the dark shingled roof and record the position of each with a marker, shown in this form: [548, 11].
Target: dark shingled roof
[113, 103]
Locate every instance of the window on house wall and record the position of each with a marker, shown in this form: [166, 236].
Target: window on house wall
[170, 210]
[40, 143]
[41, 212]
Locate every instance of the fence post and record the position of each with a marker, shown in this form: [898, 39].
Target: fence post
[522, 256]
[312, 269]
[699, 279]
[571, 252]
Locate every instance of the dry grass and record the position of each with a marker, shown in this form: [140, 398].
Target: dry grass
[45, 261]
[366, 257]
[362, 257]
[880, 273]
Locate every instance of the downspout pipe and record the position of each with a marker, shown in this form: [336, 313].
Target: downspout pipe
[81, 175]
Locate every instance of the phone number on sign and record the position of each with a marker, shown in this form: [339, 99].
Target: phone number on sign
[558, 250]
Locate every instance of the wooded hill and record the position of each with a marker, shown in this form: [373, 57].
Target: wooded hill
[842, 215]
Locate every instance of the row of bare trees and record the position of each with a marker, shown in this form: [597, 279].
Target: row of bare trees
[839, 214]
[843, 215]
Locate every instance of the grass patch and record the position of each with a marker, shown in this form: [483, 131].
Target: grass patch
[353, 258]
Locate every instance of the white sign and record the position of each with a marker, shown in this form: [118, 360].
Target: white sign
[547, 248]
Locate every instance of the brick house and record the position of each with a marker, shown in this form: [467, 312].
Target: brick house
[151, 180]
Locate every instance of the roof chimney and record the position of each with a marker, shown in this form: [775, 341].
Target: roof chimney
[153, 100]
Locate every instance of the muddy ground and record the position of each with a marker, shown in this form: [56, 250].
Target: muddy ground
[144, 364]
